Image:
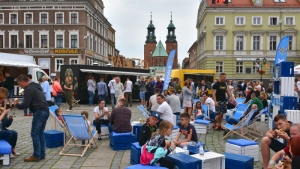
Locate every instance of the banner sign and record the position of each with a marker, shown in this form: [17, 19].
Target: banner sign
[282, 50]
[169, 68]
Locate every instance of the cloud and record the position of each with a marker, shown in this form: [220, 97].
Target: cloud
[130, 19]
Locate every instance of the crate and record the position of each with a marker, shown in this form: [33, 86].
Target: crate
[236, 161]
[211, 160]
[184, 161]
[201, 126]
[286, 69]
[293, 115]
[286, 86]
[54, 138]
[136, 129]
[140, 166]
[135, 153]
[243, 147]
[121, 141]
[195, 149]
[5, 151]
[289, 103]
[276, 85]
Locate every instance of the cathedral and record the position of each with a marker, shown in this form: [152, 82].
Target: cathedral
[155, 53]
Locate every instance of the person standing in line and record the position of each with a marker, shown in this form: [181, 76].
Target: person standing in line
[187, 92]
[57, 91]
[35, 100]
[102, 90]
[46, 88]
[159, 85]
[91, 85]
[119, 88]
[203, 88]
[68, 91]
[148, 92]
[128, 92]
[142, 86]
[25, 110]
[219, 95]
[112, 91]
[9, 84]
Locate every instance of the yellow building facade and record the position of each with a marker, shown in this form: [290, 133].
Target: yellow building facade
[237, 38]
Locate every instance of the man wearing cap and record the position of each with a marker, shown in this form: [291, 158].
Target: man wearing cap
[148, 128]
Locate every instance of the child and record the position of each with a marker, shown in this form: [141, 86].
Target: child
[59, 113]
[157, 147]
[187, 130]
[88, 123]
[149, 128]
[199, 112]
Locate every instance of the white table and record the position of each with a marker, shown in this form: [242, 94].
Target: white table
[211, 160]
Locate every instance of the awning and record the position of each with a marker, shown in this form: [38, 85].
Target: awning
[17, 63]
[297, 70]
[114, 72]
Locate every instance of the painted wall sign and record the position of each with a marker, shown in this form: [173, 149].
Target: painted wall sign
[128, 63]
[66, 51]
[89, 52]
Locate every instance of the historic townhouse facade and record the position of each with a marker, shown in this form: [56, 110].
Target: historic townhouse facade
[57, 32]
[241, 37]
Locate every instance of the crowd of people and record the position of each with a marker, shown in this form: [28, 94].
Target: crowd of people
[162, 106]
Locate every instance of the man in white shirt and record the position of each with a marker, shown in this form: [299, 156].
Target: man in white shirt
[152, 101]
[210, 102]
[128, 91]
[119, 88]
[164, 109]
[112, 91]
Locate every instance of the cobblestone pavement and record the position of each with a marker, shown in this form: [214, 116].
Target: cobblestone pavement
[102, 158]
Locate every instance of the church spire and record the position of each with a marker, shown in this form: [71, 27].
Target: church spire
[171, 37]
[151, 31]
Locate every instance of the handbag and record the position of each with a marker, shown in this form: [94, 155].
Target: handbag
[181, 96]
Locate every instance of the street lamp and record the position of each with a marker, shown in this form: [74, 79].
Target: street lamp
[264, 61]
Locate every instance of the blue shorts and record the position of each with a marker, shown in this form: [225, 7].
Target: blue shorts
[142, 95]
[10, 93]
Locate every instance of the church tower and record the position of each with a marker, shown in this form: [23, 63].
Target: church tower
[150, 43]
[171, 42]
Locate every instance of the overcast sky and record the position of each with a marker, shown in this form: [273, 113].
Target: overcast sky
[130, 19]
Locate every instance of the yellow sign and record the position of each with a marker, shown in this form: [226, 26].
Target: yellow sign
[89, 52]
[124, 62]
[66, 51]
[268, 66]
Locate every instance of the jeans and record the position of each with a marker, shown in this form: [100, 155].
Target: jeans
[110, 127]
[102, 97]
[112, 99]
[57, 101]
[231, 120]
[10, 136]
[98, 123]
[91, 97]
[39, 120]
[202, 116]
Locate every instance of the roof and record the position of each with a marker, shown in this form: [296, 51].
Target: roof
[251, 3]
[160, 50]
[157, 68]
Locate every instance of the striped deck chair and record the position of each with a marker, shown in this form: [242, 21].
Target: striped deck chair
[144, 111]
[252, 126]
[77, 125]
[241, 128]
[240, 110]
[240, 100]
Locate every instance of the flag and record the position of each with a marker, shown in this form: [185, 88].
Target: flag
[282, 50]
[168, 69]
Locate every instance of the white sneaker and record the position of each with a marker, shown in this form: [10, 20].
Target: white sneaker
[69, 110]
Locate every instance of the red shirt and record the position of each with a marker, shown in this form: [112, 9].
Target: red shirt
[287, 151]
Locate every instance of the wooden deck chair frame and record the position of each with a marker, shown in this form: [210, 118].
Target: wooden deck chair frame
[242, 130]
[252, 127]
[92, 134]
[65, 130]
[75, 102]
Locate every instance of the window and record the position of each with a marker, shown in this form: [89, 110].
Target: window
[219, 42]
[39, 74]
[273, 43]
[59, 41]
[255, 67]
[220, 21]
[73, 61]
[1, 41]
[14, 41]
[88, 19]
[74, 18]
[273, 20]
[256, 21]
[291, 43]
[239, 42]
[289, 21]
[58, 62]
[59, 18]
[1, 18]
[256, 42]
[239, 67]
[271, 69]
[88, 61]
[28, 18]
[219, 67]
[28, 41]
[44, 41]
[44, 18]
[13, 19]
[239, 21]
[73, 41]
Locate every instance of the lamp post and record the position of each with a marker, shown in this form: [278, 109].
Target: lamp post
[264, 61]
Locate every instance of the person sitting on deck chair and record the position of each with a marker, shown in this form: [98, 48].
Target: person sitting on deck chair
[233, 121]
